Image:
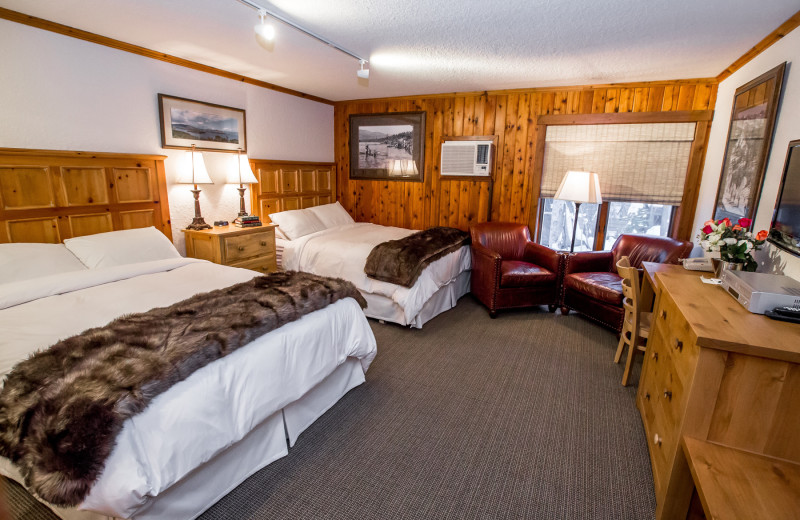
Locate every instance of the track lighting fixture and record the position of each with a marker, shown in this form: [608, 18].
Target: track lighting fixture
[265, 34]
[363, 73]
[265, 29]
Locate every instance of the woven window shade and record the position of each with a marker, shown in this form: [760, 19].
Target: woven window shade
[635, 162]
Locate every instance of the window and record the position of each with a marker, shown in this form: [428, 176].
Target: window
[637, 217]
[557, 221]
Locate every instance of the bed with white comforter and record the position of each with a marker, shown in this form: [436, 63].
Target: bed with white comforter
[341, 251]
[205, 435]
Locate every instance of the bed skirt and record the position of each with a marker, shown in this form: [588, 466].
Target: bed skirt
[266, 443]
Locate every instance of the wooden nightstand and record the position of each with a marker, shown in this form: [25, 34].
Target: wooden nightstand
[248, 248]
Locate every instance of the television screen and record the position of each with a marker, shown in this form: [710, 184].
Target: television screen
[785, 229]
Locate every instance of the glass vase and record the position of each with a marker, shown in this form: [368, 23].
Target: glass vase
[721, 266]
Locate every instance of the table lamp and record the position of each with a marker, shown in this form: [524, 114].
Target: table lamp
[197, 175]
[242, 175]
[579, 187]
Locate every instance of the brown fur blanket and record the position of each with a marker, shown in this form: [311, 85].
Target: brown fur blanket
[402, 261]
[61, 409]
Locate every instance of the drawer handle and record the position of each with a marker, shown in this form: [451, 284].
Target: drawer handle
[664, 314]
[264, 243]
[657, 439]
[241, 248]
[655, 356]
[668, 394]
[679, 345]
[647, 395]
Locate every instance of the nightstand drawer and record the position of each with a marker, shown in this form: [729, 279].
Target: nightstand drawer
[263, 264]
[247, 246]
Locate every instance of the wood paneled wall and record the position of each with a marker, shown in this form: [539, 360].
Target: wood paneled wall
[512, 116]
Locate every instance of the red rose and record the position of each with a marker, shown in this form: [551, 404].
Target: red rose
[707, 230]
[745, 222]
[709, 222]
[762, 235]
[726, 221]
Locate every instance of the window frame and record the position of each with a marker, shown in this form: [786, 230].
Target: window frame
[682, 214]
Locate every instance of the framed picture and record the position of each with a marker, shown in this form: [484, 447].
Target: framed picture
[185, 122]
[755, 106]
[387, 146]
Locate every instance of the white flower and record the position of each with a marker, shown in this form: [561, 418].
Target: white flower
[730, 241]
[705, 245]
[714, 248]
[749, 234]
[713, 239]
[749, 245]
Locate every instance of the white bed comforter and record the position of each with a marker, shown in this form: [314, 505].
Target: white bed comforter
[213, 408]
[342, 252]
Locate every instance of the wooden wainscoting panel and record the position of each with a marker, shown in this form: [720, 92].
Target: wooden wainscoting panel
[137, 219]
[133, 184]
[288, 185]
[84, 186]
[26, 187]
[52, 195]
[91, 224]
[43, 230]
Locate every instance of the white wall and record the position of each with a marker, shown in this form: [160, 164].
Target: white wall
[787, 128]
[61, 93]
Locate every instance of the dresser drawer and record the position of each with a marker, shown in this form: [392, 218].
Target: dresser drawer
[263, 264]
[241, 247]
[661, 443]
[678, 339]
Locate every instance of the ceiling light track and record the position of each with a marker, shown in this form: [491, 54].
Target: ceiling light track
[261, 9]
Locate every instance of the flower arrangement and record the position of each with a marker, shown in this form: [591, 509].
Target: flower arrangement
[734, 243]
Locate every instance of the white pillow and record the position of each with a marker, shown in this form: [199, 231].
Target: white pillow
[25, 261]
[332, 214]
[297, 223]
[280, 234]
[128, 246]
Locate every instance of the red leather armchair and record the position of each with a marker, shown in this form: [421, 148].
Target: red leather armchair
[592, 286]
[509, 270]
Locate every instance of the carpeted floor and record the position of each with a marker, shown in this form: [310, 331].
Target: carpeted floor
[471, 418]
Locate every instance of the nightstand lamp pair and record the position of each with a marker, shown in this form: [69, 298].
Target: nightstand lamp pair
[198, 174]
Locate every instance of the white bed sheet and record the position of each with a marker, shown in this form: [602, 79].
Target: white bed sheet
[342, 252]
[213, 408]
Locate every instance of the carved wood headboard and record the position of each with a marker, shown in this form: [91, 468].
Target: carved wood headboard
[52, 195]
[285, 185]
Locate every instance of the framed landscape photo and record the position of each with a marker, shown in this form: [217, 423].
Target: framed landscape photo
[755, 106]
[387, 146]
[185, 122]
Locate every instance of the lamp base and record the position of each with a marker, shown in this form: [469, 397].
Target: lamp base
[197, 224]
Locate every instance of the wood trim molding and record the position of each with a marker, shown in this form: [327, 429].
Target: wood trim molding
[40, 23]
[785, 28]
[76, 154]
[683, 116]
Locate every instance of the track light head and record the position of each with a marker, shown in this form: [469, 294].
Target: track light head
[264, 30]
[362, 72]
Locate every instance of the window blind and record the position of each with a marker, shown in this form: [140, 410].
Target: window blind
[635, 162]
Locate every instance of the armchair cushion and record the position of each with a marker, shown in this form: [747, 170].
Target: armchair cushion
[516, 273]
[606, 287]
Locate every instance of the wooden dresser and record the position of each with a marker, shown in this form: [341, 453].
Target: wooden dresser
[714, 372]
[248, 248]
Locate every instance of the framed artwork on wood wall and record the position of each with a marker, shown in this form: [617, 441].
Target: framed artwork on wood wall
[755, 107]
[185, 122]
[387, 146]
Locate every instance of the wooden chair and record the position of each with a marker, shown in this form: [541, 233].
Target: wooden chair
[635, 324]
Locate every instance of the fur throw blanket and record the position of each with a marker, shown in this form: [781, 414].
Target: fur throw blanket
[61, 409]
[402, 261]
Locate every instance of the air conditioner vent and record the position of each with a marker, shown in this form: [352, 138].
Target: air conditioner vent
[466, 158]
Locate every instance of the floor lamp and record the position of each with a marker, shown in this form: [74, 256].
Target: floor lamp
[579, 187]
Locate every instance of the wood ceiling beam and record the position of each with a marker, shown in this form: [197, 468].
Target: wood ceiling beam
[41, 23]
[785, 28]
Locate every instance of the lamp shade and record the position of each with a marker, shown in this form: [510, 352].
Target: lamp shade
[580, 187]
[240, 172]
[194, 170]
[396, 169]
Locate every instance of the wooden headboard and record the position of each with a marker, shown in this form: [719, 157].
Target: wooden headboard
[285, 185]
[52, 195]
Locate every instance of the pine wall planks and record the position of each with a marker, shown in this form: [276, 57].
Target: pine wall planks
[512, 116]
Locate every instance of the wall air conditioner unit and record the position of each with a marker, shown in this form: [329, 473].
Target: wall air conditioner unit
[471, 158]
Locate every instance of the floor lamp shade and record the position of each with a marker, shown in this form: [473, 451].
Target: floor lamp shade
[579, 187]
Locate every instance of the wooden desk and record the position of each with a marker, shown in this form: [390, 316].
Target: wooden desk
[715, 372]
[649, 292]
[735, 484]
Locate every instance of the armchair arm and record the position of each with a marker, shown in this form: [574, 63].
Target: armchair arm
[542, 256]
[485, 277]
[590, 262]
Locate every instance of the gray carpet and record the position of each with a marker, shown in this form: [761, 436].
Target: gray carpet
[471, 418]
